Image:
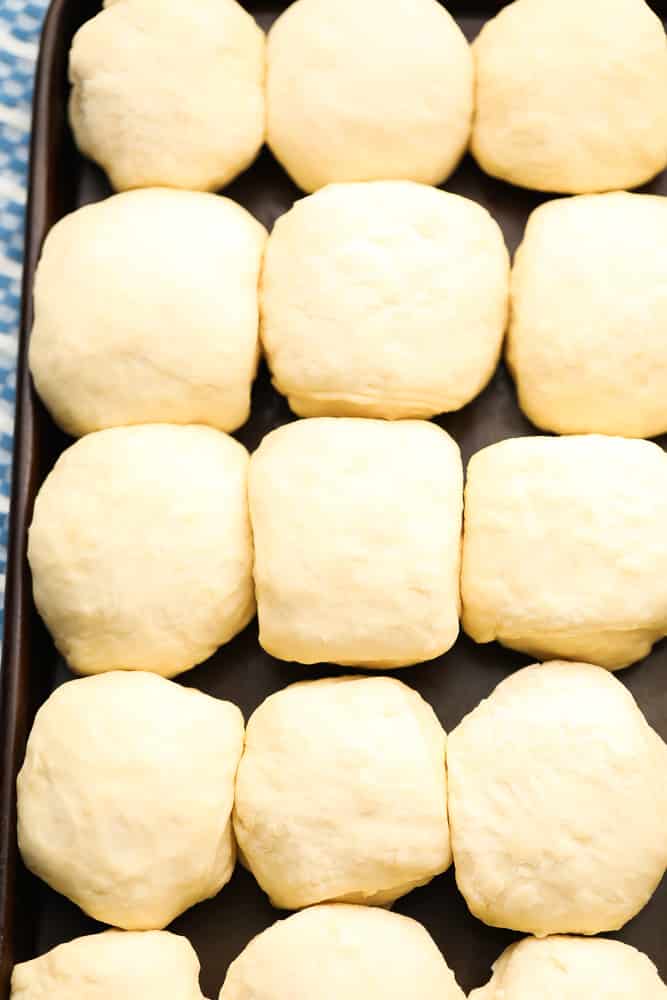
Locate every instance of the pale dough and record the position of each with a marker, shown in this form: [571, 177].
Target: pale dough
[125, 796]
[383, 299]
[146, 310]
[564, 548]
[341, 793]
[557, 803]
[368, 91]
[339, 951]
[140, 548]
[569, 95]
[166, 92]
[114, 965]
[572, 968]
[588, 339]
[357, 529]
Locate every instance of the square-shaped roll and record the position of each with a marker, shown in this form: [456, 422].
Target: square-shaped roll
[565, 550]
[357, 528]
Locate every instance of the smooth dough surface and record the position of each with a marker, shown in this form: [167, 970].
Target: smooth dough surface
[125, 796]
[383, 299]
[114, 965]
[140, 548]
[587, 344]
[564, 547]
[572, 968]
[357, 528]
[330, 952]
[557, 803]
[349, 102]
[569, 95]
[342, 793]
[157, 320]
[169, 93]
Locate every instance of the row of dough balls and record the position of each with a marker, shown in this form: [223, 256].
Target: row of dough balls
[331, 952]
[184, 95]
[385, 299]
[145, 540]
[549, 797]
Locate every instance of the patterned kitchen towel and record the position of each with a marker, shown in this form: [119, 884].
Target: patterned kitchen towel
[20, 26]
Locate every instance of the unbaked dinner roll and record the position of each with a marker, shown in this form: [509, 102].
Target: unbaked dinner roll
[384, 299]
[331, 952]
[115, 965]
[146, 309]
[572, 968]
[587, 344]
[357, 529]
[166, 92]
[125, 796]
[557, 803]
[373, 824]
[140, 548]
[368, 91]
[564, 548]
[569, 95]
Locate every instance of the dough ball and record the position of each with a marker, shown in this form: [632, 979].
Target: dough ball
[557, 803]
[571, 968]
[140, 548]
[357, 528]
[368, 91]
[587, 343]
[564, 548]
[156, 321]
[125, 796]
[341, 793]
[386, 299]
[115, 965]
[166, 92]
[570, 95]
[331, 952]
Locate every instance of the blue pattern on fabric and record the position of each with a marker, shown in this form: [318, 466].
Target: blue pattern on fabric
[20, 26]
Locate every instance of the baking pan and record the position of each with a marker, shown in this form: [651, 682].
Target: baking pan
[32, 917]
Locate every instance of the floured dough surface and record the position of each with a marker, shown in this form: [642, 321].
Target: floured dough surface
[383, 299]
[557, 803]
[564, 550]
[125, 796]
[341, 792]
[349, 102]
[587, 343]
[115, 965]
[169, 93]
[357, 527]
[157, 320]
[569, 95]
[329, 952]
[572, 968]
[140, 548]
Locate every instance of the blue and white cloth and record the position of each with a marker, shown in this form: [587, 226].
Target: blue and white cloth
[20, 27]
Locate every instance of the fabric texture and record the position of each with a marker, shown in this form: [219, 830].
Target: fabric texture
[20, 26]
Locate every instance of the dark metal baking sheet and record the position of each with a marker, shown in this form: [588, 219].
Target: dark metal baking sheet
[32, 917]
